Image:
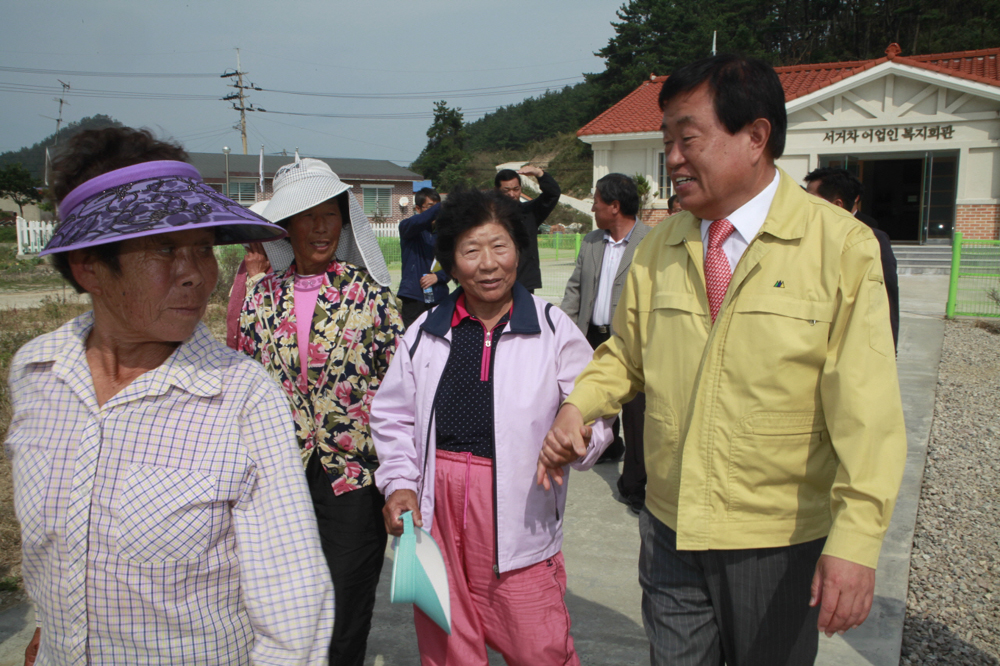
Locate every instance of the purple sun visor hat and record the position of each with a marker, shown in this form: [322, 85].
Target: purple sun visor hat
[152, 198]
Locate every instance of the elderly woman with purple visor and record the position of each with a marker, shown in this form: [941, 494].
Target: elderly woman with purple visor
[459, 423]
[164, 515]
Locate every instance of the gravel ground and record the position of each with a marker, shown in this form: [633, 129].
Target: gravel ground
[953, 605]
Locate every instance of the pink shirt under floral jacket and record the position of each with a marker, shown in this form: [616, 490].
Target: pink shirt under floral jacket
[355, 329]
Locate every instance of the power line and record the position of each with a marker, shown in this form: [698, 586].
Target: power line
[467, 92]
[135, 75]
[103, 94]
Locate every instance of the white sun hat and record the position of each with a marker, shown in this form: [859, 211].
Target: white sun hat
[305, 183]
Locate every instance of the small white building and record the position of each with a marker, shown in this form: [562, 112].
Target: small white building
[921, 132]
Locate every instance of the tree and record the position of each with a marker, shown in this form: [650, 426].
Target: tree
[18, 185]
[444, 159]
[657, 36]
[645, 191]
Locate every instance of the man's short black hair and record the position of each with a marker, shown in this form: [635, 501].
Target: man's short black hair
[424, 194]
[504, 175]
[621, 188]
[743, 90]
[670, 202]
[468, 209]
[836, 183]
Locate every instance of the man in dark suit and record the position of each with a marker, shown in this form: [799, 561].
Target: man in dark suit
[841, 188]
[590, 299]
[533, 214]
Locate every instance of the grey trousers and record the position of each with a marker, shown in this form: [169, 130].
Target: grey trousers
[737, 607]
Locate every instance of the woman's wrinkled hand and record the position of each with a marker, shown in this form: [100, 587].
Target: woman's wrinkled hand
[396, 505]
[565, 442]
[256, 260]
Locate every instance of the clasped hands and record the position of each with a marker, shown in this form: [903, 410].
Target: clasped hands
[565, 442]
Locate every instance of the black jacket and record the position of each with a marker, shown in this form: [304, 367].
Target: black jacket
[888, 272]
[533, 214]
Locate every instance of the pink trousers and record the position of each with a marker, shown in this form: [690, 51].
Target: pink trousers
[522, 614]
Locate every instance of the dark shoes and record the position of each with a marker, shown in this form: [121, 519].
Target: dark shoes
[613, 453]
[635, 501]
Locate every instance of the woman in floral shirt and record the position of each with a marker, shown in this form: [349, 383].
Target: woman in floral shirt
[330, 313]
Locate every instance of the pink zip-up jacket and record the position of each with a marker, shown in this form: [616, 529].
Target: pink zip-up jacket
[537, 359]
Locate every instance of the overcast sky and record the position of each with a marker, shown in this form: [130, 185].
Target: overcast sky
[363, 47]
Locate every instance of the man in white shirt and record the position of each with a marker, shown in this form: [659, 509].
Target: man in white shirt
[590, 300]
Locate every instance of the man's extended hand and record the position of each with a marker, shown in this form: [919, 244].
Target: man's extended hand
[428, 280]
[565, 442]
[844, 591]
[399, 503]
[529, 170]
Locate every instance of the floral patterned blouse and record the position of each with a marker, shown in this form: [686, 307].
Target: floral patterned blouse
[355, 330]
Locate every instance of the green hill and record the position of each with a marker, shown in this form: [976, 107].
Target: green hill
[33, 158]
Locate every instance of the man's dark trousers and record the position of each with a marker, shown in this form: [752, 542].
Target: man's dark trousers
[747, 607]
[633, 479]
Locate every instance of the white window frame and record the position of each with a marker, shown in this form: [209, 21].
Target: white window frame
[381, 200]
[665, 187]
[243, 192]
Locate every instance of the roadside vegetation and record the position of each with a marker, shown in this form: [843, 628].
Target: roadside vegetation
[24, 273]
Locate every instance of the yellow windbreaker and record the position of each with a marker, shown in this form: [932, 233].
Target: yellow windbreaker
[782, 423]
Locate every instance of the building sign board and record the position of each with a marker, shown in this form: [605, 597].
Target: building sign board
[883, 134]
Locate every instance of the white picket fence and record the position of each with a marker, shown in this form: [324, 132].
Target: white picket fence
[386, 229]
[32, 235]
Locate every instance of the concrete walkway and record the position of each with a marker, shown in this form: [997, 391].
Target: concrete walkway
[602, 541]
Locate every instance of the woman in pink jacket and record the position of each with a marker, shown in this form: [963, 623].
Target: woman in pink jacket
[458, 425]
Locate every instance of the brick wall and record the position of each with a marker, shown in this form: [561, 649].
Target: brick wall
[653, 216]
[978, 221]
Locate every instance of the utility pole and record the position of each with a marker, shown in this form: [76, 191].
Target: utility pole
[61, 101]
[241, 96]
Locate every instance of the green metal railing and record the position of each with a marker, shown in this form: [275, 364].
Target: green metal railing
[974, 288]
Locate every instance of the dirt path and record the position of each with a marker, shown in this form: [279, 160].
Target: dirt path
[34, 298]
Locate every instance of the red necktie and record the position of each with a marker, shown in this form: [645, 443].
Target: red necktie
[717, 270]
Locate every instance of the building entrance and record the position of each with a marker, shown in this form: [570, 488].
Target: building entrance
[912, 197]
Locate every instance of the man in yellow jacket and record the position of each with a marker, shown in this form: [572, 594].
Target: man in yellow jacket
[757, 324]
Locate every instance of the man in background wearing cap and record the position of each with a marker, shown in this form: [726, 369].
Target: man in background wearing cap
[533, 214]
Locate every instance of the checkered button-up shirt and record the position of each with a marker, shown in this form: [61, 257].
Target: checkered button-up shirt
[172, 525]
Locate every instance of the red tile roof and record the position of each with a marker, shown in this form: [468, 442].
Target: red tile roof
[639, 112]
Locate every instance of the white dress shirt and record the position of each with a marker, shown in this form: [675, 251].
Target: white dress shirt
[613, 253]
[748, 219]
[171, 525]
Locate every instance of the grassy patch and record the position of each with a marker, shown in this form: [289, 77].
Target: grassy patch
[229, 258]
[24, 273]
